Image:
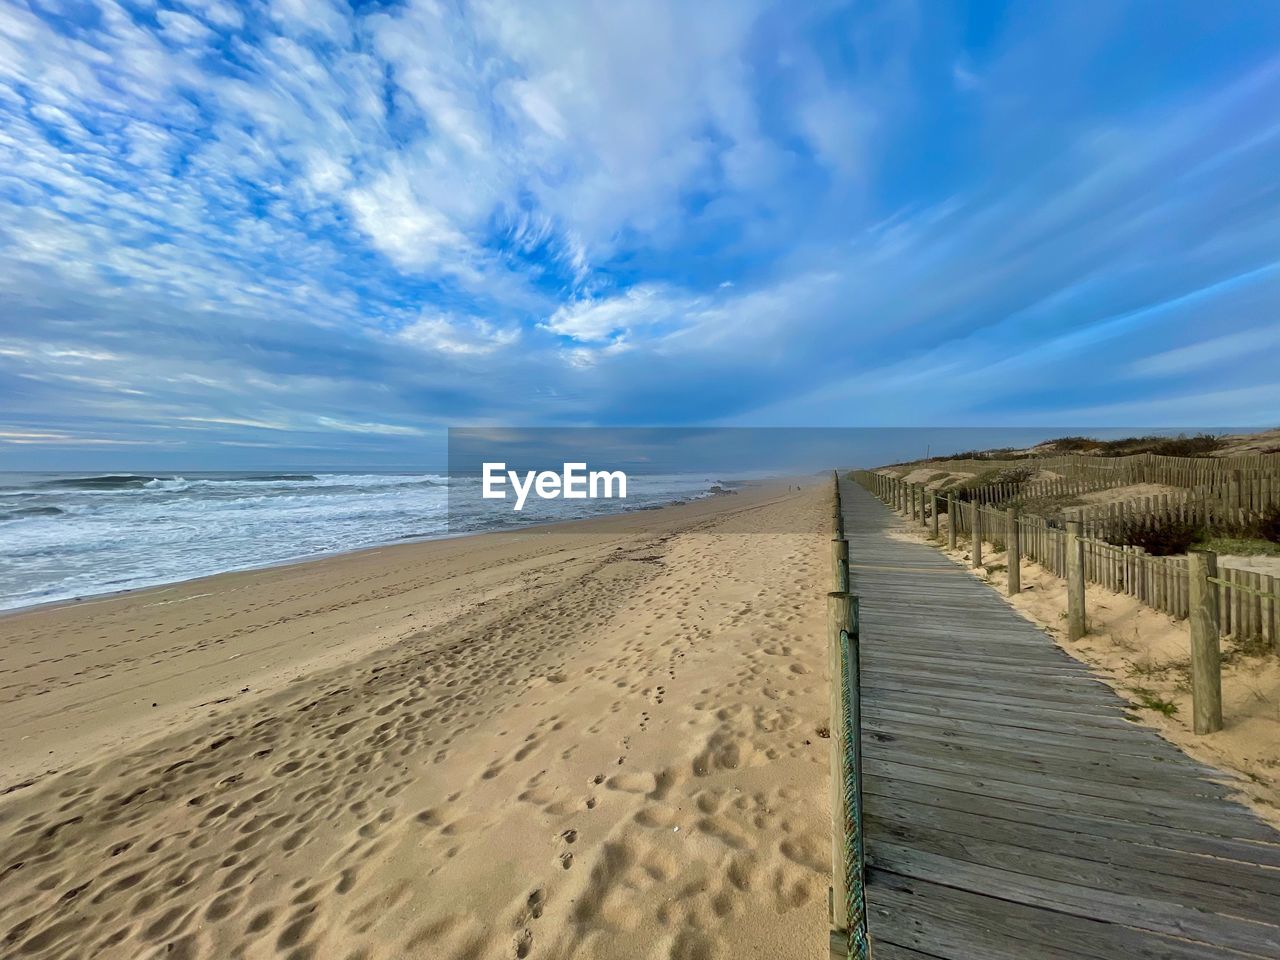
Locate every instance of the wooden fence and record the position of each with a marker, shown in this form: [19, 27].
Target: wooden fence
[1218, 601]
[1227, 509]
[1248, 601]
[1216, 491]
[1139, 468]
[849, 937]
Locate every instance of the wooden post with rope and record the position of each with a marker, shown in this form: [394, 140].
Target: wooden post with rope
[1206, 655]
[1013, 553]
[1075, 581]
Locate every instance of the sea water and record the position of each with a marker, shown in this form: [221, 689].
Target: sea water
[64, 536]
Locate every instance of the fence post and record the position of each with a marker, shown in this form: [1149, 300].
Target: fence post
[934, 504]
[1206, 659]
[839, 612]
[975, 549]
[859, 938]
[924, 499]
[1075, 581]
[1270, 615]
[1013, 553]
[951, 521]
[837, 515]
[840, 564]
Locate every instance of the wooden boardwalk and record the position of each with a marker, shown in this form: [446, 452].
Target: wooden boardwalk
[1011, 808]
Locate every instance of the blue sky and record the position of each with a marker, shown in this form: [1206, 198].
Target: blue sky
[307, 232]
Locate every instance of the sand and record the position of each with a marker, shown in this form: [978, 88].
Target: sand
[1145, 656]
[1132, 491]
[597, 742]
[1246, 444]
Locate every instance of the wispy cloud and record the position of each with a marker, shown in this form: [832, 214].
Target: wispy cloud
[344, 226]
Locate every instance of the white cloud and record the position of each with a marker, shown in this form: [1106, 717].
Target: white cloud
[376, 202]
[1209, 353]
[240, 422]
[641, 308]
[381, 429]
[182, 28]
[458, 336]
[409, 229]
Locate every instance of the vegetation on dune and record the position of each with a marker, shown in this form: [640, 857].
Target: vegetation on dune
[1160, 540]
[1000, 453]
[1240, 546]
[1268, 528]
[1151, 700]
[1183, 445]
[1260, 537]
[1017, 476]
[1199, 445]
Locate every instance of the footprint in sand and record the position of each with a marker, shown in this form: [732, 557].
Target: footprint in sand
[524, 943]
[566, 859]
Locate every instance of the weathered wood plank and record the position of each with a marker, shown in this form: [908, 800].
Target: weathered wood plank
[1002, 726]
[1137, 761]
[996, 690]
[1066, 882]
[954, 923]
[880, 792]
[1032, 888]
[1078, 764]
[1052, 794]
[1078, 855]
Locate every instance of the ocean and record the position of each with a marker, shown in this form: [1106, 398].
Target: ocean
[65, 536]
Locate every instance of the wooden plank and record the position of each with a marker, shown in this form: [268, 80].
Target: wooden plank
[1142, 913]
[1160, 836]
[891, 951]
[1011, 710]
[1035, 743]
[1090, 765]
[924, 662]
[1049, 796]
[960, 923]
[980, 686]
[926, 712]
[1230, 879]
[1202, 797]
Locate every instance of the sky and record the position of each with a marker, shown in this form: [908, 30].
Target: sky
[305, 232]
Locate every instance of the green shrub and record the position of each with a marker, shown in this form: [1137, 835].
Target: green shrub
[1018, 475]
[1152, 701]
[1076, 444]
[1268, 528]
[1201, 445]
[1160, 540]
[1239, 546]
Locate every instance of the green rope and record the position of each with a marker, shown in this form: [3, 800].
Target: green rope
[854, 858]
[1265, 594]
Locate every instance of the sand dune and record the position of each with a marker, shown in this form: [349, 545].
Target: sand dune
[553, 745]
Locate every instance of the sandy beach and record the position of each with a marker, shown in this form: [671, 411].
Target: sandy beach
[596, 741]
